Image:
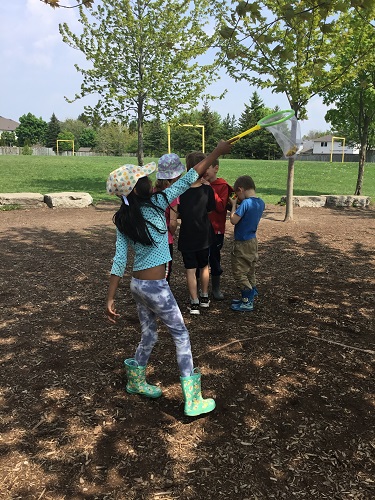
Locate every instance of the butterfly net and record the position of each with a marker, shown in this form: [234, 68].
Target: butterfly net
[287, 134]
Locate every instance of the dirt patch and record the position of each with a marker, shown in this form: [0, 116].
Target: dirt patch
[293, 381]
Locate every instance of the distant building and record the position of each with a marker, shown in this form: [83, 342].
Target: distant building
[7, 125]
[323, 145]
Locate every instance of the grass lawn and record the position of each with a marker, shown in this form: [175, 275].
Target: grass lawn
[48, 174]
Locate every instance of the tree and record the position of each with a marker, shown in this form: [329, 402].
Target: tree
[56, 3]
[143, 57]
[53, 131]
[354, 116]
[8, 139]
[287, 49]
[314, 134]
[66, 136]
[212, 126]
[76, 127]
[88, 138]
[185, 139]
[112, 139]
[354, 99]
[91, 121]
[259, 144]
[155, 138]
[31, 130]
[229, 127]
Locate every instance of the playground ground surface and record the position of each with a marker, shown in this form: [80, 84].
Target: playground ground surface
[293, 380]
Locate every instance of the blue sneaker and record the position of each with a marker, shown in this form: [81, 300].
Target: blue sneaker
[243, 306]
[254, 293]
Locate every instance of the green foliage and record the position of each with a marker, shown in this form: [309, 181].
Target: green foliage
[289, 49]
[8, 208]
[26, 150]
[31, 130]
[313, 134]
[66, 136]
[88, 138]
[8, 139]
[259, 144]
[155, 138]
[212, 126]
[184, 137]
[76, 127]
[229, 127]
[353, 96]
[112, 139]
[143, 57]
[53, 131]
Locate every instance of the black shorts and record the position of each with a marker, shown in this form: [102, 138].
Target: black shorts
[196, 260]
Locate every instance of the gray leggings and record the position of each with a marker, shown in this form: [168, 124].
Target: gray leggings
[154, 300]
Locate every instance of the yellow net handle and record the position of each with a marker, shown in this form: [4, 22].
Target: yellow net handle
[242, 134]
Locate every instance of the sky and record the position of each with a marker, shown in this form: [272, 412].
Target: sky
[37, 70]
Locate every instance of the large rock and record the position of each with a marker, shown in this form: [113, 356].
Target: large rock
[347, 201]
[68, 200]
[329, 201]
[307, 201]
[25, 200]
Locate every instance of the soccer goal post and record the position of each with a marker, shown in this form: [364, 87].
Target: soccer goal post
[186, 125]
[64, 140]
[343, 147]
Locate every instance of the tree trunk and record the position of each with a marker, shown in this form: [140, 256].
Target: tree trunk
[140, 152]
[289, 191]
[362, 156]
[361, 171]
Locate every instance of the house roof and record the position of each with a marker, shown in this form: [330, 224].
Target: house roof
[324, 138]
[8, 125]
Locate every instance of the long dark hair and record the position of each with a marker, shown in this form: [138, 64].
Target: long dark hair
[129, 219]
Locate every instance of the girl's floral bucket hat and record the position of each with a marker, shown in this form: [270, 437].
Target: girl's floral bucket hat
[169, 167]
[122, 180]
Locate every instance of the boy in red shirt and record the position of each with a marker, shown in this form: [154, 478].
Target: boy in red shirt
[218, 217]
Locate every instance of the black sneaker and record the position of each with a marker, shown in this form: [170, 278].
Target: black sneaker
[194, 309]
[204, 302]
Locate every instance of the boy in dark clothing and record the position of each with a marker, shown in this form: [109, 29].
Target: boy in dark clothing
[196, 234]
[218, 218]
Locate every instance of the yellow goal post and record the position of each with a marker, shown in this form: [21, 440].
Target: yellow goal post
[185, 125]
[64, 140]
[343, 147]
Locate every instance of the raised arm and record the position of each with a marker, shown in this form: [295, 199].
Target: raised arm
[222, 148]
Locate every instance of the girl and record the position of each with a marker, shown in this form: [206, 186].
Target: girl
[140, 222]
[169, 171]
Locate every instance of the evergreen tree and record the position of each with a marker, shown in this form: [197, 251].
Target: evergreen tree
[260, 144]
[229, 127]
[53, 131]
[155, 138]
[186, 138]
[212, 127]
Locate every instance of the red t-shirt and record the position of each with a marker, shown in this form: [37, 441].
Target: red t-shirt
[218, 216]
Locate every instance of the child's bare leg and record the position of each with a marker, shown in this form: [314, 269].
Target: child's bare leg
[192, 283]
[205, 277]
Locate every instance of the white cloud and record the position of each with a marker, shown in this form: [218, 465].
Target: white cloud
[38, 68]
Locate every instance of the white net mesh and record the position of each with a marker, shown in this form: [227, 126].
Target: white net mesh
[288, 136]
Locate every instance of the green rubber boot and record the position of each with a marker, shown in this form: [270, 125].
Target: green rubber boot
[191, 389]
[137, 380]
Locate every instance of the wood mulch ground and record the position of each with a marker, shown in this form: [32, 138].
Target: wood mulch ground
[294, 380]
